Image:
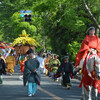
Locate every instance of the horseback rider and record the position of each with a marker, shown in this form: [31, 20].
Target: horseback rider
[90, 44]
[86, 59]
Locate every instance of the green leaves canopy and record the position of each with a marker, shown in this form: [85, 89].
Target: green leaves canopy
[59, 25]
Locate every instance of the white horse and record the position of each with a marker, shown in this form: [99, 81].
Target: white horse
[92, 67]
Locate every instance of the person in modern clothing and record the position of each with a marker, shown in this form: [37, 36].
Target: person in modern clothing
[2, 69]
[29, 74]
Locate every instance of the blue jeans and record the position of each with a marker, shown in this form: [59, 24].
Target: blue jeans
[32, 87]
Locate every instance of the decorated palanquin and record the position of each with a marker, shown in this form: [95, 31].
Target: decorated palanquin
[23, 43]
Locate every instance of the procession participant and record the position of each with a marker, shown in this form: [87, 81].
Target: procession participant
[46, 63]
[2, 69]
[22, 64]
[67, 69]
[10, 62]
[49, 65]
[41, 61]
[4, 53]
[29, 74]
[2, 56]
[18, 60]
[42, 64]
[90, 44]
[54, 64]
[7, 53]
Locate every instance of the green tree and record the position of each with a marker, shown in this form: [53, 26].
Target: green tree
[58, 25]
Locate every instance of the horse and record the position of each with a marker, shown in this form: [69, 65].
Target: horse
[92, 67]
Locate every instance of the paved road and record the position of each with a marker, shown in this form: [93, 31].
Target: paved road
[13, 89]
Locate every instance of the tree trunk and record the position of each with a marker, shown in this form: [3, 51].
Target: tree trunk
[91, 16]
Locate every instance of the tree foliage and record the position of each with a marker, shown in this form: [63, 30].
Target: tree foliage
[59, 25]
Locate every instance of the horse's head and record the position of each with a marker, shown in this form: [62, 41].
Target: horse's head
[94, 60]
[97, 66]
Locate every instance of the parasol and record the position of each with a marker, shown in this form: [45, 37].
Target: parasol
[5, 45]
[2, 47]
